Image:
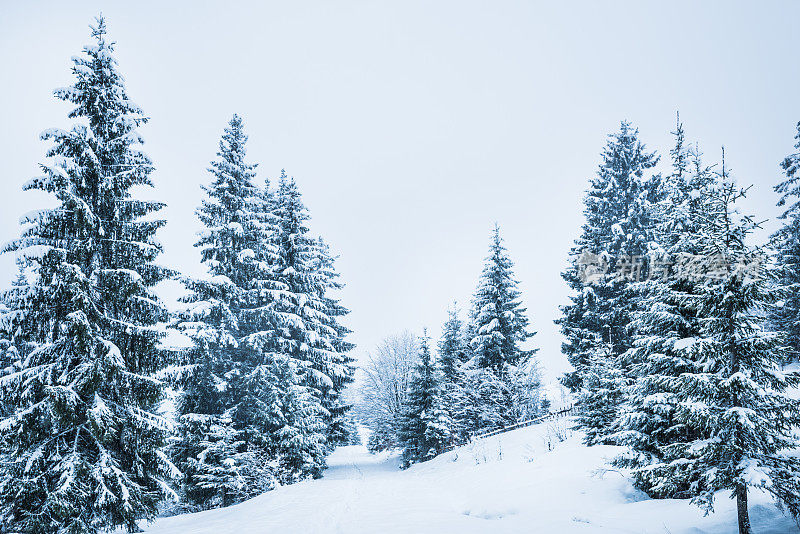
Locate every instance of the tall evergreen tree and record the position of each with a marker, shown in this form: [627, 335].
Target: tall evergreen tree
[353, 434]
[787, 243]
[308, 330]
[501, 326]
[487, 396]
[82, 444]
[226, 411]
[300, 437]
[452, 346]
[665, 324]
[224, 470]
[426, 427]
[453, 357]
[333, 400]
[615, 234]
[729, 400]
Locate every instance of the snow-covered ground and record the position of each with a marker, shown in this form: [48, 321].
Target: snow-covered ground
[510, 483]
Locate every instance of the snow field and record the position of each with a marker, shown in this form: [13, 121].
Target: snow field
[524, 481]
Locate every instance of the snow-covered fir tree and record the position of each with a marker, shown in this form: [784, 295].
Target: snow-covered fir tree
[729, 401]
[220, 470]
[501, 326]
[452, 346]
[787, 243]
[425, 429]
[453, 355]
[229, 395]
[615, 235]
[209, 448]
[664, 326]
[308, 330]
[82, 440]
[10, 353]
[494, 366]
[482, 400]
[300, 436]
[333, 400]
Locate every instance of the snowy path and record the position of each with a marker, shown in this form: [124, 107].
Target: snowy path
[355, 462]
[355, 491]
[510, 483]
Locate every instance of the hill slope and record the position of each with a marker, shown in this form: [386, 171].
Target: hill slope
[510, 483]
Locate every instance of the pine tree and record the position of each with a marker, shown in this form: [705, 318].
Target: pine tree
[82, 444]
[10, 354]
[297, 429]
[308, 332]
[499, 318]
[425, 428]
[497, 363]
[730, 398]
[614, 237]
[453, 353]
[787, 243]
[227, 409]
[333, 401]
[452, 346]
[203, 407]
[545, 406]
[665, 326]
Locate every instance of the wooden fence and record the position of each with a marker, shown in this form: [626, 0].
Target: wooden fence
[564, 412]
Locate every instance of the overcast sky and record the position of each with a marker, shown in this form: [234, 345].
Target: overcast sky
[411, 127]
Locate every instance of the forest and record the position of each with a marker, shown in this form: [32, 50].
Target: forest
[682, 329]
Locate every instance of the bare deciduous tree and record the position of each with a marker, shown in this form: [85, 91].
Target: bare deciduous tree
[384, 384]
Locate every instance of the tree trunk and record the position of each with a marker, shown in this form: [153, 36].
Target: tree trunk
[741, 509]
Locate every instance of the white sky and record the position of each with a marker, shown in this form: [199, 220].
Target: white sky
[411, 126]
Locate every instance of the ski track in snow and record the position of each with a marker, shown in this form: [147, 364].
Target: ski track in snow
[508, 483]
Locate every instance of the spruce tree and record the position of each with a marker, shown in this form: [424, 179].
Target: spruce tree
[82, 443]
[337, 433]
[730, 398]
[226, 411]
[615, 235]
[452, 349]
[609, 261]
[453, 354]
[10, 354]
[299, 435]
[351, 430]
[222, 471]
[787, 243]
[665, 326]
[308, 333]
[501, 326]
[498, 328]
[425, 429]
[208, 448]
